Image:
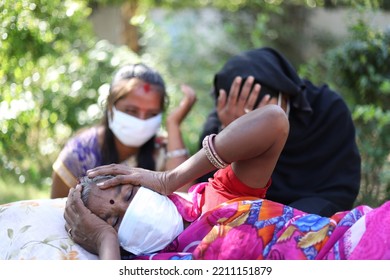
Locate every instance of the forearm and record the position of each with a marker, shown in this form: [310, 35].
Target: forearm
[252, 135]
[253, 143]
[109, 247]
[174, 120]
[58, 187]
[189, 171]
[175, 143]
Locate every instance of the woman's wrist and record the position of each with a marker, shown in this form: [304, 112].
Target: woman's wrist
[109, 248]
[172, 125]
[177, 153]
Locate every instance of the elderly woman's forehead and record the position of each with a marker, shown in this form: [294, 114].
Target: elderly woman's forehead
[116, 189]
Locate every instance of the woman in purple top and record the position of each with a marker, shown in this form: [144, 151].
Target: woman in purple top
[128, 132]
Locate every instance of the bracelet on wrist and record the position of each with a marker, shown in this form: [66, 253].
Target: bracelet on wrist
[176, 153]
[211, 154]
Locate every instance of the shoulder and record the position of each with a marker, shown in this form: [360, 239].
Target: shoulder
[85, 137]
[80, 153]
[326, 101]
[84, 142]
[323, 94]
[87, 133]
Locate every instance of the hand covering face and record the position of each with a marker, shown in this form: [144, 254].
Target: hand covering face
[271, 70]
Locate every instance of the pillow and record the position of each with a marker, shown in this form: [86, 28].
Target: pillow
[35, 229]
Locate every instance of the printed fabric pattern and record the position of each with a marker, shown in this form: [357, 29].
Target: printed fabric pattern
[241, 229]
[257, 229]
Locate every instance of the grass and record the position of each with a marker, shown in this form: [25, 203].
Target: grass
[11, 190]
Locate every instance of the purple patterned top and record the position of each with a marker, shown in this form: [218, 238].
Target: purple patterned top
[82, 152]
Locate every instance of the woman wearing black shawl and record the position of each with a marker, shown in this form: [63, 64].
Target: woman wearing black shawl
[319, 168]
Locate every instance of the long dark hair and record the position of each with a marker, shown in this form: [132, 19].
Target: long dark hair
[120, 79]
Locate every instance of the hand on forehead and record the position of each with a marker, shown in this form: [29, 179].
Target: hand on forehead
[110, 204]
[93, 196]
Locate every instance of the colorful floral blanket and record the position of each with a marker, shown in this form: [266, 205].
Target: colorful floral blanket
[249, 228]
[244, 228]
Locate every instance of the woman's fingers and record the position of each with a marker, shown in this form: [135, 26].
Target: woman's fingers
[187, 101]
[251, 101]
[267, 99]
[234, 92]
[84, 227]
[239, 101]
[245, 93]
[221, 101]
[126, 175]
[74, 206]
[73, 211]
[111, 169]
[116, 181]
[185, 106]
[189, 95]
[225, 112]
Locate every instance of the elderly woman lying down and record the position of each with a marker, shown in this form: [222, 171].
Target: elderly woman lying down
[225, 218]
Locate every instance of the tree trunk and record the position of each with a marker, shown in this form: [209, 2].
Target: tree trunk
[130, 32]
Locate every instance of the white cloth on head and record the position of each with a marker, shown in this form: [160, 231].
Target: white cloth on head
[150, 223]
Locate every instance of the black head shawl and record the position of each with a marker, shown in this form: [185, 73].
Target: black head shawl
[318, 170]
[271, 70]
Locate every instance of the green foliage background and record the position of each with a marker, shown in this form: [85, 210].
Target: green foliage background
[54, 73]
[52, 67]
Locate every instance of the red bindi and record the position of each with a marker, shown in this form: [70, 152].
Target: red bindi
[146, 87]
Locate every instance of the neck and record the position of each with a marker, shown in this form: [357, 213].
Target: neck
[124, 152]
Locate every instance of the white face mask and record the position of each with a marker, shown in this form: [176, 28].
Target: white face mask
[150, 223]
[132, 131]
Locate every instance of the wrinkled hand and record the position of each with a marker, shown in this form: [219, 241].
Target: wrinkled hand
[87, 229]
[154, 180]
[185, 106]
[239, 103]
